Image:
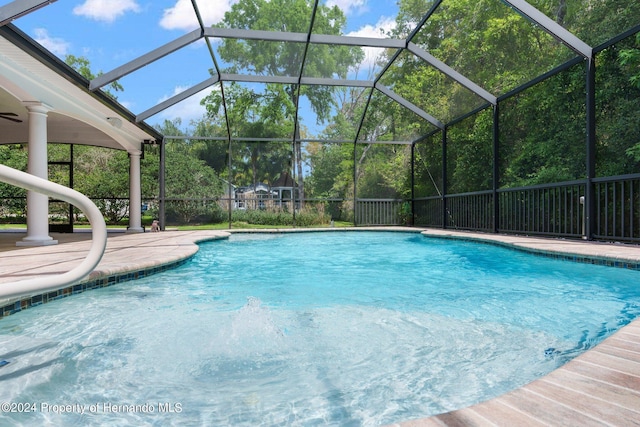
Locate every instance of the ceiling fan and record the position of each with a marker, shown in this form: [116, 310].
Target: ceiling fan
[10, 116]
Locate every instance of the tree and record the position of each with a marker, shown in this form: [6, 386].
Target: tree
[285, 59]
[188, 179]
[102, 174]
[542, 129]
[213, 152]
[630, 57]
[13, 198]
[253, 115]
[618, 102]
[83, 67]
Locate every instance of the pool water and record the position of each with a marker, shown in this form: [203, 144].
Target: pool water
[309, 329]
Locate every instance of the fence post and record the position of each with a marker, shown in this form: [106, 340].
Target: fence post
[355, 185]
[496, 168]
[413, 184]
[162, 194]
[590, 205]
[444, 177]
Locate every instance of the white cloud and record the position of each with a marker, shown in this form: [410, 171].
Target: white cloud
[379, 30]
[187, 110]
[126, 104]
[349, 6]
[106, 10]
[182, 16]
[55, 45]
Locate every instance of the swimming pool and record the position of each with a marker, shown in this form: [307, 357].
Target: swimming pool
[258, 329]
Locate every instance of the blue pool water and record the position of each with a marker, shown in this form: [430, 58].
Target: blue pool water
[308, 329]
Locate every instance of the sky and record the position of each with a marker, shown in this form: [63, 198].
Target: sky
[110, 33]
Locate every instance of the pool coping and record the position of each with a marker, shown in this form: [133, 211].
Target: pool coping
[609, 254]
[599, 387]
[154, 253]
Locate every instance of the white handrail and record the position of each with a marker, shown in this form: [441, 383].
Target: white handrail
[93, 214]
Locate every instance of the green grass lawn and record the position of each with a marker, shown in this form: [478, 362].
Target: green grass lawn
[220, 226]
[225, 226]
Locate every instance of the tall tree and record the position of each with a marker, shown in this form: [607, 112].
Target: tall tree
[285, 59]
[253, 116]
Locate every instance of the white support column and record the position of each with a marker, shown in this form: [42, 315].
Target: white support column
[37, 164]
[135, 193]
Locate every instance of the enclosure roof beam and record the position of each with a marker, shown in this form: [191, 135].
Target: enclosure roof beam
[246, 78]
[144, 60]
[408, 105]
[197, 138]
[254, 139]
[551, 27]
[18, 8]
[450, 72]
[424, 137]
[263, 35]
[279, 36]
[317, 81]
[384, 142]
[177, 98]
[357, 41]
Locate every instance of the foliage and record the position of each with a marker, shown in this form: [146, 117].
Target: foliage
[83, 67]
[213, 152]
[542, 130]
[188, 177]
[618, 101]
[102, 174]
[470, 154]
[285, 59]
[252, 115]
[194, 211]
[630, 58]
[428, 166]
[11, 197]
[312, 216]
[280, 217]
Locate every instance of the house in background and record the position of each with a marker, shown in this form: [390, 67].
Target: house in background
[262, 195]
[287, 189]
[254, 196]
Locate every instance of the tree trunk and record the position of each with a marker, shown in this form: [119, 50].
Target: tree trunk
[297, 144]
[254, 167]
[298, 166]
[561, 12]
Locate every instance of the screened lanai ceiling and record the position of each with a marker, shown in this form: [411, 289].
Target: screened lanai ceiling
[168, 55]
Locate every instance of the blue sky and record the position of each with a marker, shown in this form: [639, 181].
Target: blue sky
[109, 33]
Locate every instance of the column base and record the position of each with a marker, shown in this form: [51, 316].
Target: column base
[135, 230]
[37, 241]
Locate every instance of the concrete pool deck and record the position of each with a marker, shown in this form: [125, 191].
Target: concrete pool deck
[600, 387]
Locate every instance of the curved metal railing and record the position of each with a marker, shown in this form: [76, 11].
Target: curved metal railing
[98, 230]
